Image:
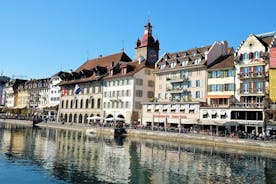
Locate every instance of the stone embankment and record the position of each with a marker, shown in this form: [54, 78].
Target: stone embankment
[166, 136]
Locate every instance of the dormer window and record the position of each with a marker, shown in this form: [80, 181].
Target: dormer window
[162, 66]
[245, 56]
[256, 55]
[194, 54]
[197, 60]
[173, 64]
[184, 63]
[206, 52]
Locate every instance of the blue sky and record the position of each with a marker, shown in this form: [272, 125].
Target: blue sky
[39, 38]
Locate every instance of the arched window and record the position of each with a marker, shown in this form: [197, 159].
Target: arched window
[80, 118]
[70, 118]
[76, 104]
[62, 104]
[86, 104]
[85, 118]
[81, 103]
[92, 103]
[71, 104]
[65, 118]
[99, 103]
[75, 118]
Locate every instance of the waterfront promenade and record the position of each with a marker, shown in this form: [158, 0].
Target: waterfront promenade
[190, 138]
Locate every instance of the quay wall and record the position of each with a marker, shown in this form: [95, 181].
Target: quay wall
[227, 142]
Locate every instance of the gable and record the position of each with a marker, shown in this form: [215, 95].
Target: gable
[251, 44]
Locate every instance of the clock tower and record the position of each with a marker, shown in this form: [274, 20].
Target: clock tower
[147, 47]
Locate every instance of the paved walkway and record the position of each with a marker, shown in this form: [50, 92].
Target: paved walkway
[190, 138]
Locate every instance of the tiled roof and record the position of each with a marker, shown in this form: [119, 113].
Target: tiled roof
[223, 62]
[104, 61]
[135, 67]
[189, 55]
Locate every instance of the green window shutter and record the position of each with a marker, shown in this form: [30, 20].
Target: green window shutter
[209, 75]
[209, 88]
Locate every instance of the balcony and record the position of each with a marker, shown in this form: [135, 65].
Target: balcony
[177, 90]
[252, 75]
[175, 80]
[253, 92]
[253, 105]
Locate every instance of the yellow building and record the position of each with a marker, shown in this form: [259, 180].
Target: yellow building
[272, 85]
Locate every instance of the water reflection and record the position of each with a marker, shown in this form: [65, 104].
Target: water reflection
[73, 157]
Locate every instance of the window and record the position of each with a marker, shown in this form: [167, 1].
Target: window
[197, 94]
[184, 63]
[245, 71]
[138, 105]
[259, 70]
[197, 60]
[150, 94]
[198, 72]
[139, 82]
[197, 83]
[256, 55]
[173, 64]
[162, 66]
[259, 87]
[151, 83]
[245, 86]
[183, 74]
[168, 76]
[190, 73]
[245, 56]
[139, 93]
[127, 93]
[127, 105]
[229, 73]
[160, 77]
[229, 87]
[189, 84]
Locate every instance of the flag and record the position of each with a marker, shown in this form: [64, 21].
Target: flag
[77, 89]
[63, 91]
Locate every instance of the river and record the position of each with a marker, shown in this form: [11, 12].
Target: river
[47, 155]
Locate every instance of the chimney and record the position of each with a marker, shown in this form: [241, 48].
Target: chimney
[112, 64]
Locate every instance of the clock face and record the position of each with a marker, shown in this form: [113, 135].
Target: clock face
[152, 56]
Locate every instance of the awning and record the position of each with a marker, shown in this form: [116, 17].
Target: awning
[213, 112]
[192, 107]
[222, 112]
[156, 106]
[94, 118]
[173, 107]
[182, 107]
[116, 119]
[219, 96]
[205, 112]
[20, 106]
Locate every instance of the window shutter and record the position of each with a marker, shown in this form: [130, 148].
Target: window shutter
[261, 54]
[240, 56]
[254, 87]
[233, 87]
[209, 75]
[250, 55]
[208, 88]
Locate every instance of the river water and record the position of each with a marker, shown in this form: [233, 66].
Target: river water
[45, 155]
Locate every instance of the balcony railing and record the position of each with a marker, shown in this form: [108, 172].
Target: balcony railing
[247, 105]
[177, 90]
[252, 75]
[180, 79]
[251, 91]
